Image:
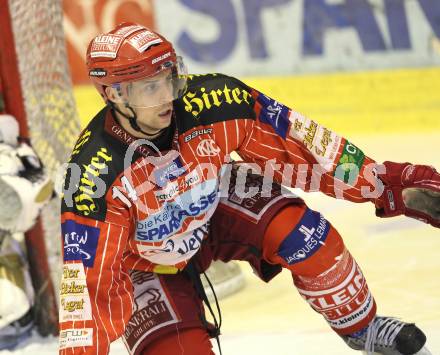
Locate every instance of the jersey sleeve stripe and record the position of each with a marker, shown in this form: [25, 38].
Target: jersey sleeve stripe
[98, 284]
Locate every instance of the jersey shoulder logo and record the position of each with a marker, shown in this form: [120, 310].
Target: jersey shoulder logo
[207, 148]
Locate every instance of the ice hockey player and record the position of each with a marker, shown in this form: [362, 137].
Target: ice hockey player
[24, 189]
[149, 202]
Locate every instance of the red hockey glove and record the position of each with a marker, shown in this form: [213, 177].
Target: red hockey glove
[412, 190]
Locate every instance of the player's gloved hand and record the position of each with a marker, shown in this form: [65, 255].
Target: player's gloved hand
[25, 187]
[412, 190]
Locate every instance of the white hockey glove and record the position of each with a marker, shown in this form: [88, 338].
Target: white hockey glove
[8, 130]
[24, 187]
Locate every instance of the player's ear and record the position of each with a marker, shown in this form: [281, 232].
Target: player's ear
[114, 94]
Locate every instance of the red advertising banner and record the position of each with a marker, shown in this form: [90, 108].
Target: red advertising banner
[85, 19]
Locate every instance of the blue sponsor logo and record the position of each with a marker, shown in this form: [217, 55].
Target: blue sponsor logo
[169, 220]
[169, 173]
[275, 114]
[80, 242]
[305, 240]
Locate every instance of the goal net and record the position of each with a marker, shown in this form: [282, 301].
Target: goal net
[37, 90]
[51, 115]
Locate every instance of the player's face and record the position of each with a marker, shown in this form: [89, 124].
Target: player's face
[155, 98]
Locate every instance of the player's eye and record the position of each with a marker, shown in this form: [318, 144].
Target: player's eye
[151, 88]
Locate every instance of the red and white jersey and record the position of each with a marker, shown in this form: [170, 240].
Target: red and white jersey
[146, 206]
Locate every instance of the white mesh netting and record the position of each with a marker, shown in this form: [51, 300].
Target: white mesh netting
[48, 98]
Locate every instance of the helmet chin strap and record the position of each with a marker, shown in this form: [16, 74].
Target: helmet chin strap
[133, 120]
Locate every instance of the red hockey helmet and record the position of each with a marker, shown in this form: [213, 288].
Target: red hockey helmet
[134, 54]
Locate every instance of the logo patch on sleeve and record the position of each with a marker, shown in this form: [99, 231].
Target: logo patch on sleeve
[74, 296]
[275, 114]
[76, 337]
[349, 164]
[305, 240]
[80, 242]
